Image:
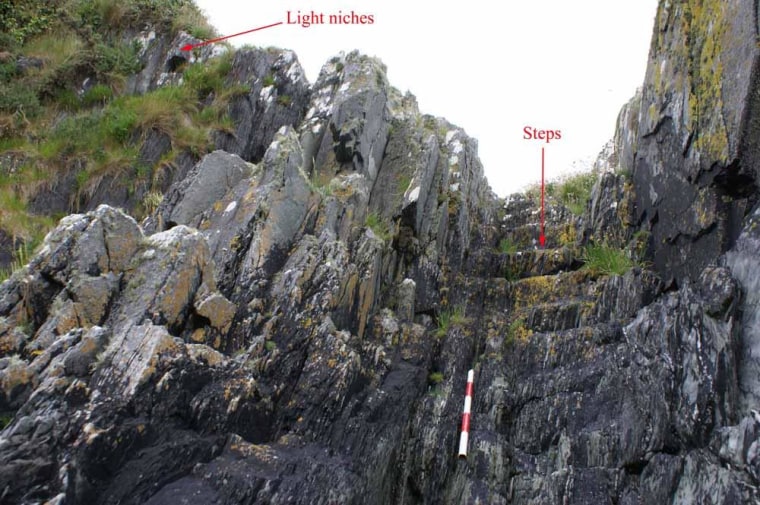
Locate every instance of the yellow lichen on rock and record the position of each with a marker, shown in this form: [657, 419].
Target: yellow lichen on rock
[705, 28]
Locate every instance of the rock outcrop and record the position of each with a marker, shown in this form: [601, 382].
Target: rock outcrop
[696, 159]
[295, 320]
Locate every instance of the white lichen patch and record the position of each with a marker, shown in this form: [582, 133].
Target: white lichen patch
[295, 73]
[218, 50]
[171, 238]
[456, 147]
[413, 195]
[164, 77]
[267, 93]
[144, 39]
[91, 432]
[230, 207]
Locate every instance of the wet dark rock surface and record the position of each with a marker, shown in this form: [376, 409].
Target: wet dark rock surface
[295, 321]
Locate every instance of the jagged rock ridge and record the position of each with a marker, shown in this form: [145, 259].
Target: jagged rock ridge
[294, 323]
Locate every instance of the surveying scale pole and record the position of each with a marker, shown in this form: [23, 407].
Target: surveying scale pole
[464, 437]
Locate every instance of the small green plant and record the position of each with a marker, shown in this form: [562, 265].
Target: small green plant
[115, 59]
[601, 259]
[640, 243]
[626, 174]
[270, 345]
[517, 331]
[550, 189]
[188, 18]
[20, 21]
[17, 97]
[206, 77]
[284, 100]
[507, 246]
[458, 317]
[435, 378]
[404, 181]
[511, 272]
[20, 259]
[575, 191]
[379, 227]
[151, 201]
[447, 318]
[319, 183]
[444, 321]
[268, 80]
[5, 420]
[97, 95]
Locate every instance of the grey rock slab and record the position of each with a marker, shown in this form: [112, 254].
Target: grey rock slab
[207, 183]
[744, 262]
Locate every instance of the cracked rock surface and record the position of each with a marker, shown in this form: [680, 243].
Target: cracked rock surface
[295, 321]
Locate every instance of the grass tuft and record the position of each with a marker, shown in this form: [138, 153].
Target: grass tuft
[448, 318]
[574, 191]
[517, 331]
[435, 378]
[602, 259]
[191, 20]
[379, 227]
[507, 246]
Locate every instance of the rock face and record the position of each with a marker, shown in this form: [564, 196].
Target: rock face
[697, 136]
[295, 321]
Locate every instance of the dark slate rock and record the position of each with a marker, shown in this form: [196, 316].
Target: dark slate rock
[278, 96]
[697, 148]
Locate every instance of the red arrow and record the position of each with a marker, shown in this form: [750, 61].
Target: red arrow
[542, 237]
[190, 47]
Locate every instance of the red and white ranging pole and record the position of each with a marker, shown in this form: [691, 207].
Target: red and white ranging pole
[464, 437]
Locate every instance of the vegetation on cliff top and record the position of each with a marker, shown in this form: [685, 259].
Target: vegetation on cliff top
[571, 190]
[63, 107]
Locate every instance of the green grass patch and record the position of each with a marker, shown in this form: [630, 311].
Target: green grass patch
[448, 318]
[574, 191]
[101, 131]
[119, 59]
[191, 20]
[21, 257]
[5, 420]
[55, 49]
[206, 77]
[378, 226]
[507, 246]
[403, 181]
[517, 331]
[602, 259]
[511, 273]
[11, 143]
[17, 97]
[19, 223]
[20, 21]
[435, 378]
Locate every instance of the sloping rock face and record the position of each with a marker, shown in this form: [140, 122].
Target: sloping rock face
[295, 322]
[697, 150]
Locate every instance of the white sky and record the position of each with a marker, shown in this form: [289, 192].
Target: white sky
[489, 67]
